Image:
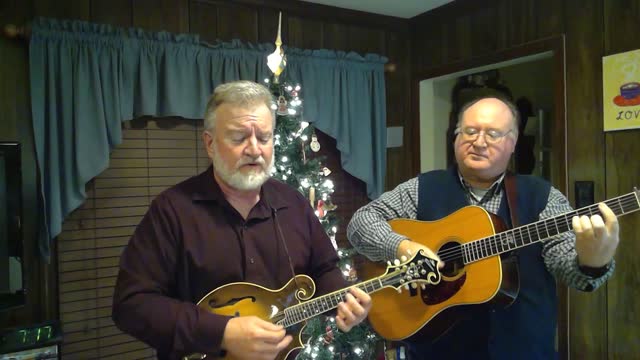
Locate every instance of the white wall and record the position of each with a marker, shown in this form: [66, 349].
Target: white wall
[435, 106]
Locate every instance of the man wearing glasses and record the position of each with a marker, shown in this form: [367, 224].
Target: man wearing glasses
[485, 137]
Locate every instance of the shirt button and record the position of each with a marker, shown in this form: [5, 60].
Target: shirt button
[251, 260]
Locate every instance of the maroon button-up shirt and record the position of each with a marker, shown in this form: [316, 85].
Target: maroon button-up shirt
[192, 241]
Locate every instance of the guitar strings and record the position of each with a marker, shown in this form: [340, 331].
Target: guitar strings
[491, 243]
[478, 247]
[296, 314]
[497, 240]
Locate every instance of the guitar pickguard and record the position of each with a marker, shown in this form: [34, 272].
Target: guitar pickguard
[436, 294]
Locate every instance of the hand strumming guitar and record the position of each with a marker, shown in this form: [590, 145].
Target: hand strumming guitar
[249, 337]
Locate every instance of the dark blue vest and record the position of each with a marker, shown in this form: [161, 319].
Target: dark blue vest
[524, 330]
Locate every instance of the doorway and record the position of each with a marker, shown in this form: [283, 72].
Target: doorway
[533, 73]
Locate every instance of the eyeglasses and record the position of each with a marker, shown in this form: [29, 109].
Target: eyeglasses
[491, 136]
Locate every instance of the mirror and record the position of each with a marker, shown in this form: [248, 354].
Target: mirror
[11, 255]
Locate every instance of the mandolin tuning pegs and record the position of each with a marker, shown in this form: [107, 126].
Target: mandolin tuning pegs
[396, 262]
[414, 285]
[403, 258]
[423, 287]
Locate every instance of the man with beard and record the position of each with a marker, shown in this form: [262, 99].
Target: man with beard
[232, 223]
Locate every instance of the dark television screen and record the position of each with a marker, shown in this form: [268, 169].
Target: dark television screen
[11, 264]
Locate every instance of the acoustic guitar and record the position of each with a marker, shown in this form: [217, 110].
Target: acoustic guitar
[470, 242]
[291, 305]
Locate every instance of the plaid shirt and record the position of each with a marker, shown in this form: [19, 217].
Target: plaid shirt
[370, 234]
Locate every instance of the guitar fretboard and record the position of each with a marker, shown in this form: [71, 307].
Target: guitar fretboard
[541, 230]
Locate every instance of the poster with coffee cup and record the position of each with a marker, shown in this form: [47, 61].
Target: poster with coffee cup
[621, 91]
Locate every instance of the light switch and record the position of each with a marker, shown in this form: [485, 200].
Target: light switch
[394, 136]
[584, 193]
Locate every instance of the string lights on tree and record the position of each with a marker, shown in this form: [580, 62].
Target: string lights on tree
[297, 163]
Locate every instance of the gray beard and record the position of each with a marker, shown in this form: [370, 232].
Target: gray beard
[238, 180]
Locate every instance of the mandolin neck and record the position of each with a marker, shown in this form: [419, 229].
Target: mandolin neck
[418, 269]
[301, 312]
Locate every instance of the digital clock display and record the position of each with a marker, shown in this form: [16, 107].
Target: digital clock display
[35, 336]
[28, 337]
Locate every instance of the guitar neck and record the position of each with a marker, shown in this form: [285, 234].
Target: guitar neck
[541, 230]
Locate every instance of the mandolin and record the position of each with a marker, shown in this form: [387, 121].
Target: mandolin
[291, 305]
[470, 242]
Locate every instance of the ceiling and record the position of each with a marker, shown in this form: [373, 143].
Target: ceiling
[398, 8]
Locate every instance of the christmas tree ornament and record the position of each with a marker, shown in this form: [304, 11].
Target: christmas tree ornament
[277, 60]
[349, 271]
[315, 145]
[333, 242]
[304, 153]
[312, 195]
[328, 335]
[326, 171]
[282, 106]
[328, 206]
[320, 209]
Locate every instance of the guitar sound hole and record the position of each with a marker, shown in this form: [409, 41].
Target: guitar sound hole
[453, 276]
[453, 264]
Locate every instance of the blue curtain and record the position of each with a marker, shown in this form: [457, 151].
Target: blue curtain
[87, 78]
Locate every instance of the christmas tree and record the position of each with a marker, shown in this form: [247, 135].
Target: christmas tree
[296, 163]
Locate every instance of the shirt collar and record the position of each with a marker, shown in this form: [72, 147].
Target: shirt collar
[493, 189]
[209, 190]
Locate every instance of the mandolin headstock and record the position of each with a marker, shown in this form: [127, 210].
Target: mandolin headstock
[418, 270]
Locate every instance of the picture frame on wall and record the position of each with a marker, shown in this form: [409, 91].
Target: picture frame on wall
[621, 91]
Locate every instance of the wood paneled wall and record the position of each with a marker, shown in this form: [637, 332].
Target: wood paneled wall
[622, 169]
[602, 324]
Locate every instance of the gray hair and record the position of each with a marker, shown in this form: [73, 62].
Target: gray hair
[515, 115]
[241, 93]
